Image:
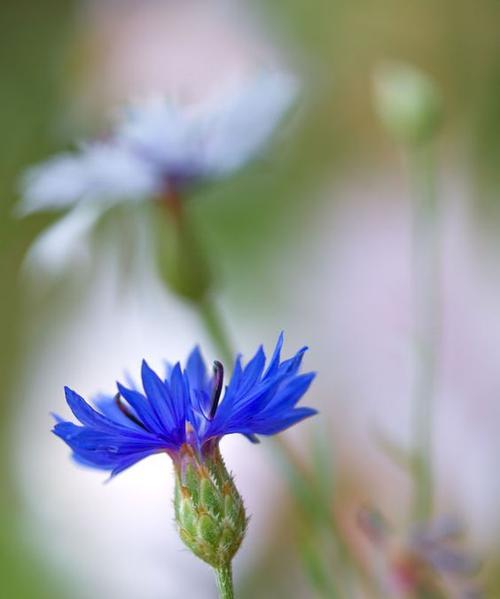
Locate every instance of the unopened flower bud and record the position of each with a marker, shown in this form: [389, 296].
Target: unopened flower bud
[407, 102]
[209, 511]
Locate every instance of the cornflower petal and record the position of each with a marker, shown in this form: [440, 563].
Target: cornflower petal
[252, 372]
[142, 408]
[174, 412]
[85, 413]
[159, 396]
[196, 370]
[245, 119]
[274, 362]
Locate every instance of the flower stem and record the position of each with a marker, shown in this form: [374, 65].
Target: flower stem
[214, 326]
[189, 274]
[427, 321]
[224, 577]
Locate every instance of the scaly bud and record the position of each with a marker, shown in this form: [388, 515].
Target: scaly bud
[209, 511]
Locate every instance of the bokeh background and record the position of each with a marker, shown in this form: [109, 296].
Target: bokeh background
[313, 239]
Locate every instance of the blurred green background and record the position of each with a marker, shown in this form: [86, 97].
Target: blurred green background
[336, 44]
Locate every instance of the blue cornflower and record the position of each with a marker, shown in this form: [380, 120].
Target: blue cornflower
[187, 410]
[185, 415]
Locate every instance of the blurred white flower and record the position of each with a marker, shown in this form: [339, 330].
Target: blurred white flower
[212, 139]
[66, 241]
[157, 146]
[101, 173]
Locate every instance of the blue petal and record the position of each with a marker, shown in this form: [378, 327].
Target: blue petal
[141, 407]
[291, 392]
[235, 381]
[196, 370]
[252, 371]
[292, 365]
[85, 413]
[260, 404]
[105, 450]
[275, 359]
[179, 392]
[159, 398]
[271, 427]
[107, 405]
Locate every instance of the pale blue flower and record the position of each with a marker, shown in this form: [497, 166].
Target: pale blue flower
[155, 148]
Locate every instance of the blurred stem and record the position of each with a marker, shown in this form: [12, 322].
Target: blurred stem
[317, 509]
[319, 572]
[189, 276]
[426, 297]
[224, 576]
[187, 272]
[214, 326]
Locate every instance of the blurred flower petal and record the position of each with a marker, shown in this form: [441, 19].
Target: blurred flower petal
[211, 139]
[104, 171]
[245, 120]
[159, 144]
[62, 243]
[164, 134]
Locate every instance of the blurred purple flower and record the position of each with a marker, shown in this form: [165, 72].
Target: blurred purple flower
[428, 559]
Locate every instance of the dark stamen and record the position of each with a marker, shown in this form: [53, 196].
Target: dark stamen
[126, 411]
[217, 389]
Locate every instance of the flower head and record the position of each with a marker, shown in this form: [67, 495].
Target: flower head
[210, 140]
[187, 409]
[157, 144]
[156, 149]
[185, 414]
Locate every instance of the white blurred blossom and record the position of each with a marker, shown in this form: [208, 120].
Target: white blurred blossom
[100, 173]
[63, 242]
[211, 139]
[156, 146]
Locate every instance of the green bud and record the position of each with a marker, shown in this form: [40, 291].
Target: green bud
[407, 102]
[209, 511]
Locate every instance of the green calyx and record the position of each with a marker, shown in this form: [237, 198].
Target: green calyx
[209, 511]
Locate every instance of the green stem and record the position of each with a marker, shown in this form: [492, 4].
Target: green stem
[427, 321]
[329, 543]
[190, 273]
[224, 577]
[214, 326]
